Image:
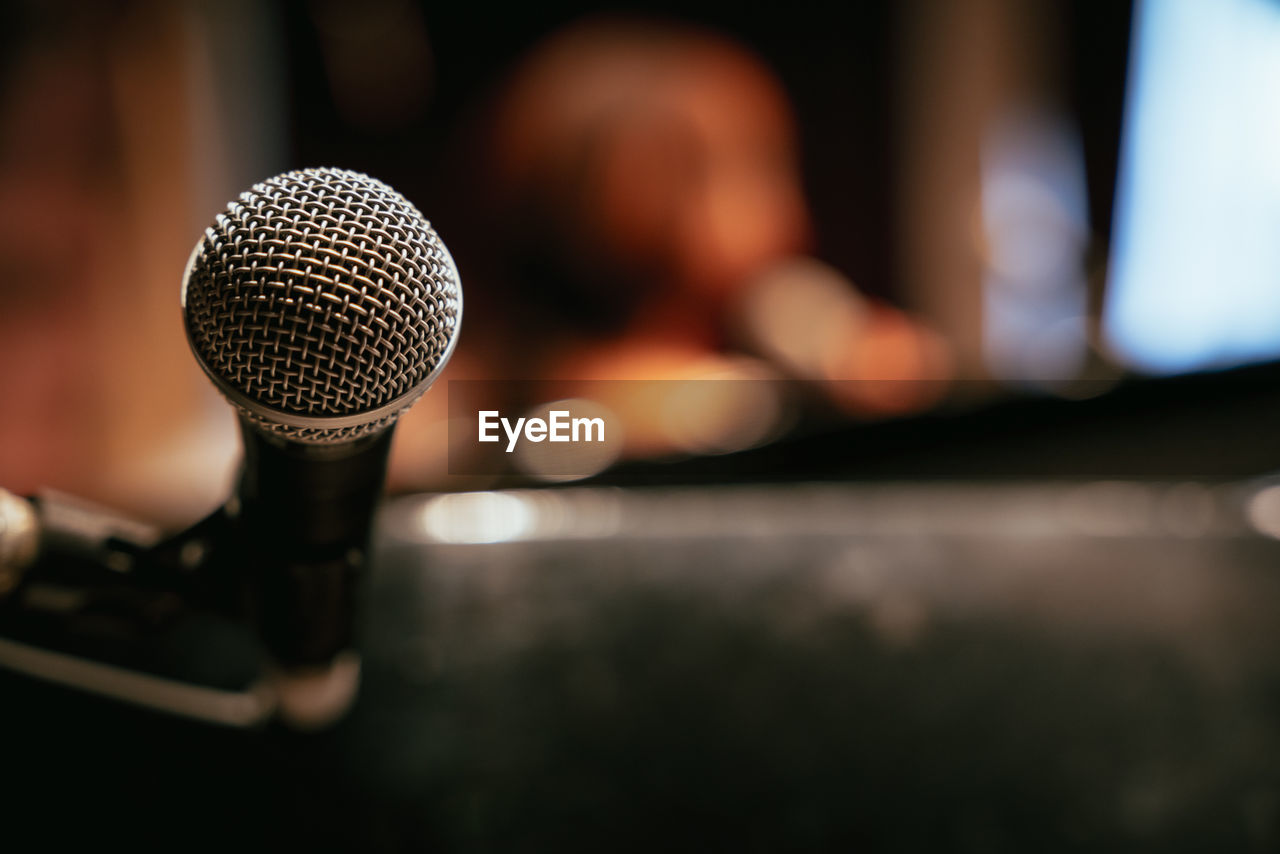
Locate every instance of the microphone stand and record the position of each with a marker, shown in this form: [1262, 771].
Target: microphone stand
[215, 622]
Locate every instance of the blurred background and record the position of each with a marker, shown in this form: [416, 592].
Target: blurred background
[901, 208]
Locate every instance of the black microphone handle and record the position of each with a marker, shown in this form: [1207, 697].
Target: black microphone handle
[303, 524]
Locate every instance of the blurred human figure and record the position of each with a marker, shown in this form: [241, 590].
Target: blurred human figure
[645, 177]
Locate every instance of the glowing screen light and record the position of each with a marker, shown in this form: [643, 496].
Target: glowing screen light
[1195, 269]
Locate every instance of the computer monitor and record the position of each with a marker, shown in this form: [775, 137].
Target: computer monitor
[1195, 267]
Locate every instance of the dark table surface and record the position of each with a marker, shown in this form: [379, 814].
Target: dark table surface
[896, 667]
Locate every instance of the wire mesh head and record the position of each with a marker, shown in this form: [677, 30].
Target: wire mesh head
[322, 304]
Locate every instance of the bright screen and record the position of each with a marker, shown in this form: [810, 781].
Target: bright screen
[1195, 273]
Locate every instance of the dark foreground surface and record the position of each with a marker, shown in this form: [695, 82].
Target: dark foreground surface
[1079, 666]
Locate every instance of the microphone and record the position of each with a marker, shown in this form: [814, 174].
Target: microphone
[322, 304]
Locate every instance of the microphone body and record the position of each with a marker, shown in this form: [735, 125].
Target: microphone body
[303, 517]
[322, 305]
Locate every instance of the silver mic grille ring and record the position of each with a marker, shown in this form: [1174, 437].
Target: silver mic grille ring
[322, 304]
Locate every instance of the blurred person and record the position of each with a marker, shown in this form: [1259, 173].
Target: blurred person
[645, 177]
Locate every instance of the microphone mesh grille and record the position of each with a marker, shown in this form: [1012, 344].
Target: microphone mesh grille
[322, 292]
